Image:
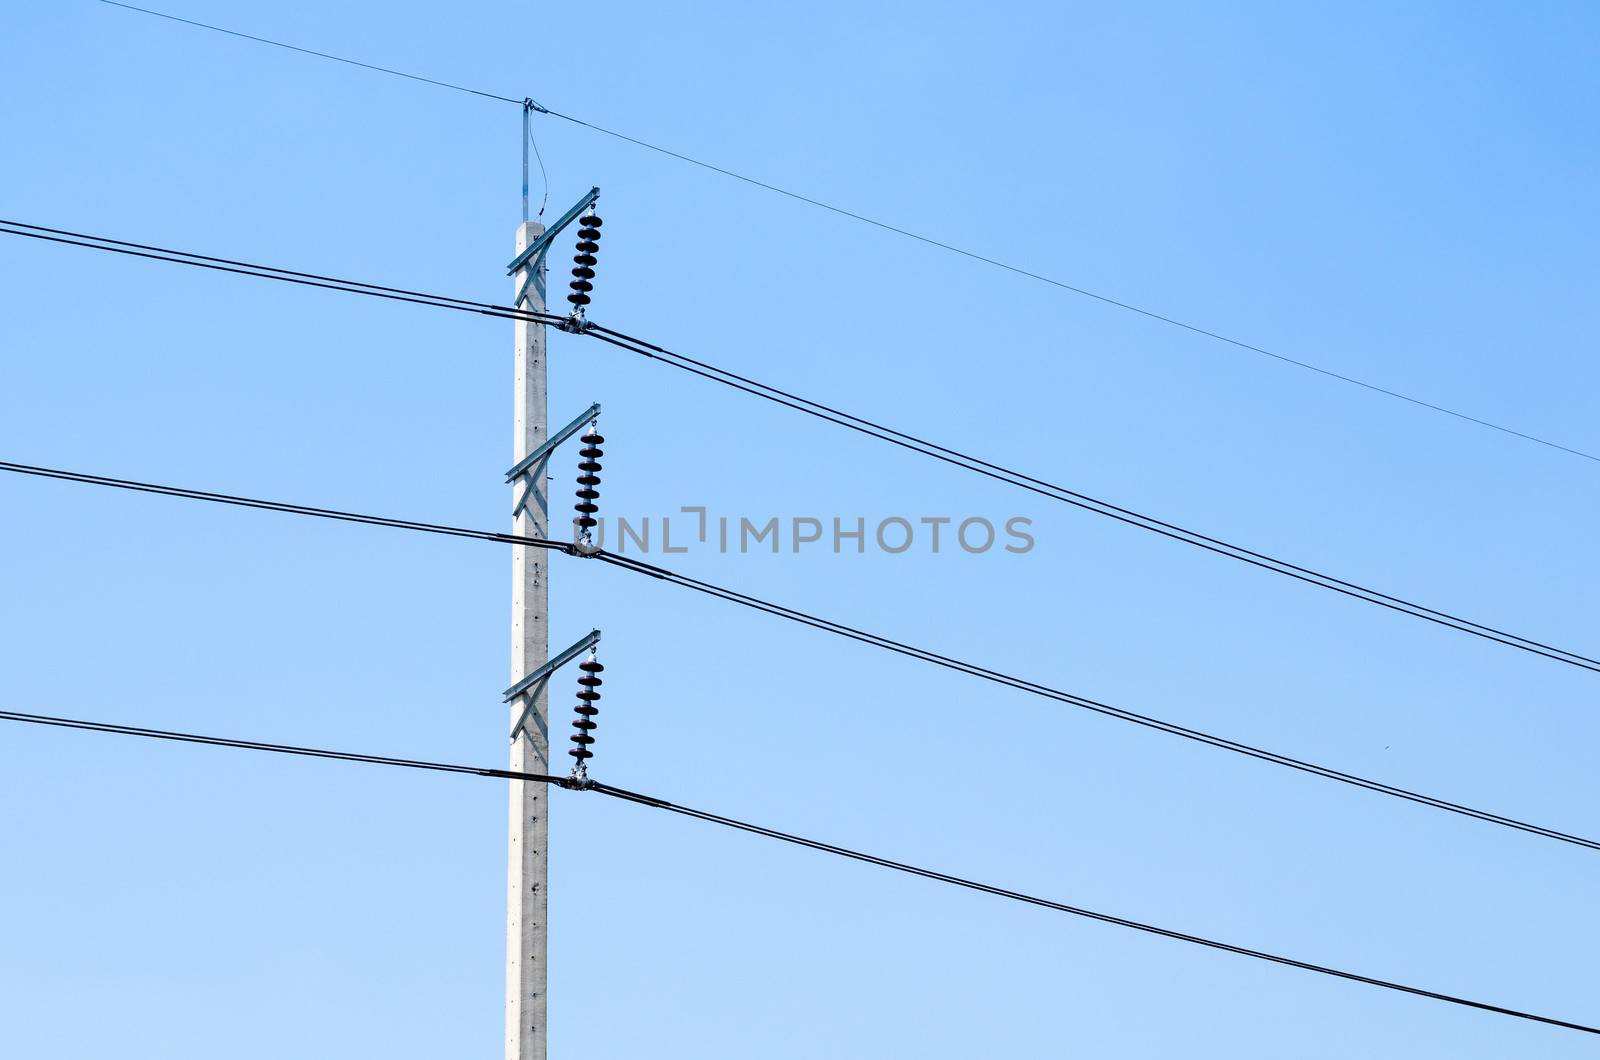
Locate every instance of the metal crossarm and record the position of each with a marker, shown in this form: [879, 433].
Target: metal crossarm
[532, 460]
[589, 640]
[534, 254]
[529, 465]
[529, 686]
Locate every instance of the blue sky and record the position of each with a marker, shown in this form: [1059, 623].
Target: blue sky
[1405, 195]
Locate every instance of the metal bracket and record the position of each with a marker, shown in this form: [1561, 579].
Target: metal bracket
[530, 464]
[533, 256]
[531, 685]
[526, 463]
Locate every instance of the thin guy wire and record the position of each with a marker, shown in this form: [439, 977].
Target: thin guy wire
[544, 199]
[310, 51]
[843, 419]
[1106, 299]
[928, 240]
[851, 633]
[624, 795]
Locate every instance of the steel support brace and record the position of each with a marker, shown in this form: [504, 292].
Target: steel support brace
[534, 462]
[529, 686]
[533, 257]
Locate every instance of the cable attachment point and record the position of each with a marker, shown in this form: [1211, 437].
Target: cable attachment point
[588, 695]
[588, 491]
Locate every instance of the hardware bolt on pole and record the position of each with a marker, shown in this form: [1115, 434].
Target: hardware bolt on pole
[527, 897]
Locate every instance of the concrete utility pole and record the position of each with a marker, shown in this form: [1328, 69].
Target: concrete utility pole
[527, 898]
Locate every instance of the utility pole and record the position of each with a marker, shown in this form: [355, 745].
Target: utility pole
[527, 897]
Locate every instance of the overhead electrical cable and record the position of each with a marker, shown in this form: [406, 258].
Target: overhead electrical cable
[282, 506]
[1061, 907]
[841, 630]
[966, 883]
[1047, 692]
[270, 272]
[903, 232]
[838, 417]
[273, 748]
[1064, 495]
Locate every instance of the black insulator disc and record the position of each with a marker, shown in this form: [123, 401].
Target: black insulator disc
[581, 285]
[586, 523]
[588, 710]
[580, 754]
[589, 235]
[594, 666]
[578, 299]
[586, 246]
[589, 467]
[585, 724]
[587, 260]
[582, 739]
[590, 681]
[588, 694]
[588, 480]
[588, 495]
[591, 452]
[591, 221]
[584, 272]
[585, 508]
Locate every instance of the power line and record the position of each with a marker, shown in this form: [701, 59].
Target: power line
[838, 417]
[1058, 695]
[840, 211]
[1085, 502]
[850, 633]
[270, 272]
[283, 506]
[652, 802]
[273, 748]
[1061, 907]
